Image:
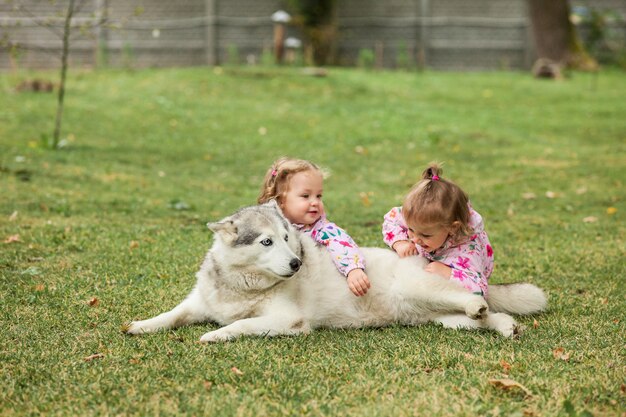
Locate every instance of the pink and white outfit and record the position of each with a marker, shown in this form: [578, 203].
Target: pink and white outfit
[471, 260]
[345, 253]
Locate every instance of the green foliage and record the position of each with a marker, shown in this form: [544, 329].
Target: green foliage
[128, 56]
[366, 58]
[604, 36]
[112, 228]
[232, 55]
[316, 20]
[267, 58]
[314, 13]
[102, 55]
[403, 56]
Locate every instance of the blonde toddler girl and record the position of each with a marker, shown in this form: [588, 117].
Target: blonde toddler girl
[297, 186]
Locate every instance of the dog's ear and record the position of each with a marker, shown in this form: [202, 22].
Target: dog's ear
[273, 204]
[226, 228]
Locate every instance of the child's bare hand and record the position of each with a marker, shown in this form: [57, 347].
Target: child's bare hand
[438, 268]
[358, 282]
[405, 248]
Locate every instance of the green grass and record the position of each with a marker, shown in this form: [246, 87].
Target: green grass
[98, 219]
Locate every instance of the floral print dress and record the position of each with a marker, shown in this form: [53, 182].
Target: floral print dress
[471, 261]
[344, 252]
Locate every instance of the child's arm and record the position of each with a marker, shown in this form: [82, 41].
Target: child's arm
[358, 282]
[345, 254]
[471, 267]
[395, 233]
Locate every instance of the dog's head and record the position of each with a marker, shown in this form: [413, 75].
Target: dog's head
[260, 240]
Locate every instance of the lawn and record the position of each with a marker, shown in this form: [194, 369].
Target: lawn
[111, 227]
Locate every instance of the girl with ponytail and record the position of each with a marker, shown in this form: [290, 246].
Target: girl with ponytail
[437, 221]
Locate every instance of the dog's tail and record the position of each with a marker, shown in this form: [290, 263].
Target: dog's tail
[519, 298]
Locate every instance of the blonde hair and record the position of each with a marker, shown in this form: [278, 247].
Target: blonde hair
[439, 202]
[277, 177]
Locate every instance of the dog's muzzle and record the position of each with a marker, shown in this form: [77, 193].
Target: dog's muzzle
[295, 264]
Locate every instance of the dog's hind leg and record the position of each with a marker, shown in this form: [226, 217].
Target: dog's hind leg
[503, 324]
[500, 322]
[190, 311]
[439, 295]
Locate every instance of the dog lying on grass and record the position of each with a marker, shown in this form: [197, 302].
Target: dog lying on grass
[262, 277]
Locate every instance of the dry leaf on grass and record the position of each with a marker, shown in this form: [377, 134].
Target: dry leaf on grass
[506, 367]
[12, 239]
[236, 370]
[94, 356]
[535, 323]
[509, 384]
[13, 216]
[559, 353]
[590, 219]
[529, 196]
[510, 211]
[365, 199]
[93, 302]
[133, 244]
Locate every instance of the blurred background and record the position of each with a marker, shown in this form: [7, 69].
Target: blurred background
[393, 34]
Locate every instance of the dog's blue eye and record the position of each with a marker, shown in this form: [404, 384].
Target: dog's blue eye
[286, 238]
[266, 242]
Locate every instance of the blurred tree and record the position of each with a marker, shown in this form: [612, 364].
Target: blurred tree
[56, 134]
[317, 19]
[556, 38]
[69, 11]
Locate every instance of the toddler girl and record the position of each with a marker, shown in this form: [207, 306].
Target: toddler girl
[297, 186]
[437, 222]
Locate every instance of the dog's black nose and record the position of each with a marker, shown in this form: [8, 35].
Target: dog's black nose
[295, 264]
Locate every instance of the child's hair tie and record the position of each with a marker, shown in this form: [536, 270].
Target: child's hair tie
[274, 172]
[435, 178]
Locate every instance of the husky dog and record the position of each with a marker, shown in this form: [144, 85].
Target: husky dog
[264, 278]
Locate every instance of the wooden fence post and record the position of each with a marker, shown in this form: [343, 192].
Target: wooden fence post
[424, 23]
[211, 41]
[529, 41]
[101, 53]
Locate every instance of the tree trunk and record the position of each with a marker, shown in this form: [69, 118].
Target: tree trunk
[64, 58]
[556, 38]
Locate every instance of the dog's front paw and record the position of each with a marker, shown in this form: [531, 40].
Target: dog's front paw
[131, 328]
[219, 335]
[477, 309]
[139, 327]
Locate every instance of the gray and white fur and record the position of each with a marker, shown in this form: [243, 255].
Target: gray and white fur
[262, 277]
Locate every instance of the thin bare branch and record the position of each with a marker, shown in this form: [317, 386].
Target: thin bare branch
[36, 20]
[79, 7]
